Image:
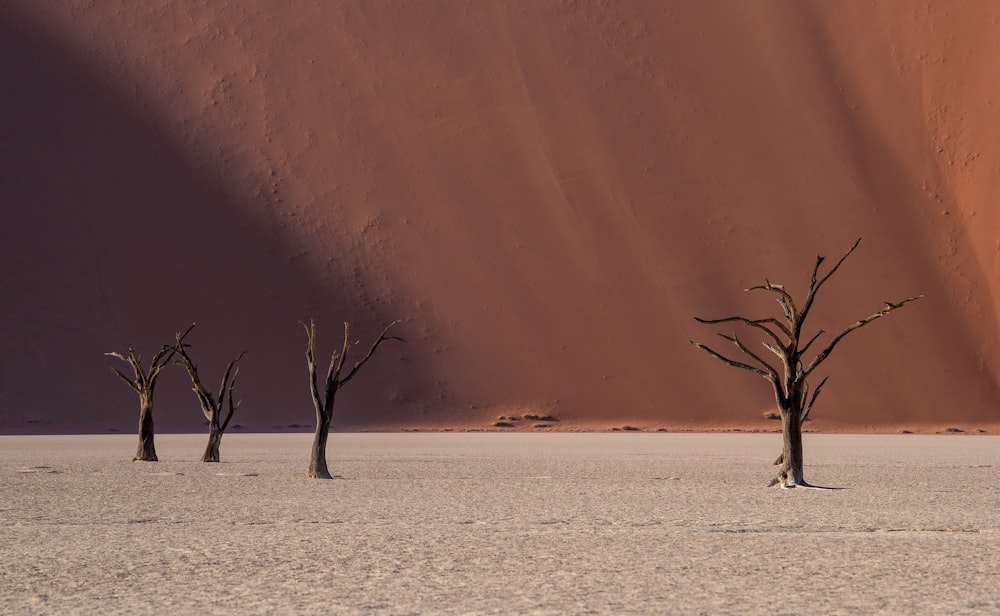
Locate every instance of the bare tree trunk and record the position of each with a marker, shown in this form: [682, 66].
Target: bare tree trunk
[789, 379]
[211, 405]
[146, 452]
[214, 440]
[317, 461]
[143, 383]
[323, 399]
[790, 472]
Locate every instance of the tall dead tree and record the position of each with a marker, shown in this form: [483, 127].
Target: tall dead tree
[323, 400]
[143, 384]
[212, 405]
[785, 340]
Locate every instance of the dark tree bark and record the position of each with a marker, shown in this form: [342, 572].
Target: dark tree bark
[317, 455]
[143, 383]
[146, 451]
[214, 442]
[212, 405]
[323, 400]
[784, 339]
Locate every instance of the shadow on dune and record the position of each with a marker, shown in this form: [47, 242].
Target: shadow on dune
[550, 194]
[114, 235]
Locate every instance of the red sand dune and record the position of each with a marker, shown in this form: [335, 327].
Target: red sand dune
[546, 192]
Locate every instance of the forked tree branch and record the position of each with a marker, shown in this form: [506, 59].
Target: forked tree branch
[232, 406]
[133, 383]
[382, 338]
[311, 363]
[772, 373]
[334, 380]
[229, 378]
[814, 286]
[344, 350]
[145, 378]
[889, 307]
[779, 352]
[760, 324]
[812, 400]
[732, 362]
[211, 406]
[165, 354]
[784, 298]
[811, 341]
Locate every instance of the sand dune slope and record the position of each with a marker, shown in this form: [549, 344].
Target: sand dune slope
[546, 192]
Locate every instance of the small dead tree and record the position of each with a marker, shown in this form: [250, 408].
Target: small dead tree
[323, 400]
[143, 384]
[785, 340]
[212, 405]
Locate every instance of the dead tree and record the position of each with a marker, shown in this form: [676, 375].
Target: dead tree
[212, 405]
[143, 384]
[786, 341]
[323, 400]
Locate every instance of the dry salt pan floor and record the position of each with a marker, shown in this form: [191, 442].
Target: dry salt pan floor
[500, 524]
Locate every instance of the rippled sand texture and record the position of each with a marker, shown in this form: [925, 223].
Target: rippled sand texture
[487, 523]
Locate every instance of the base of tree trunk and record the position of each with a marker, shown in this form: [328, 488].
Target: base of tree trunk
[317, 458]
[778, 482]
[146, 452]
[212, 450]
[319, 473]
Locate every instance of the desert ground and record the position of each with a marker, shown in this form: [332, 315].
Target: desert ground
[500, 524]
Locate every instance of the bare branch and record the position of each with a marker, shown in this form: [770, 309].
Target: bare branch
[311, 362]
[225, 378]
[343, 352]
[788, 310]
[805, 413]
[889, 307]
[138, 383]
[165, 354]
[815, 271]
[229, 392]
[331, 370]
[760, 324]
[205, 400]
[811, 340]
[784, 298]
[382, 338]
[736, 341]
[814, 286]
[732, 362]
[182, 336]
[777, 352]
[232, 409]
[127, 380]
[161, 358]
